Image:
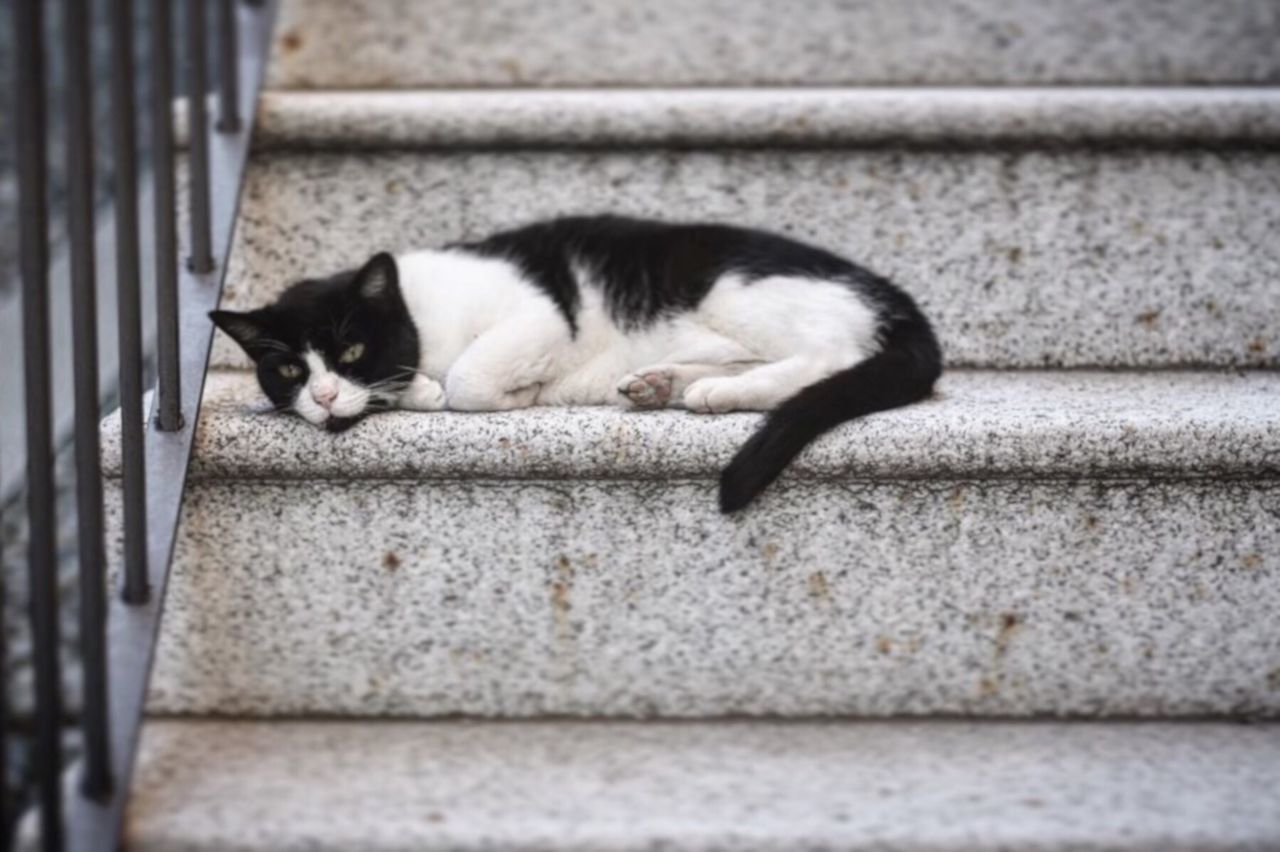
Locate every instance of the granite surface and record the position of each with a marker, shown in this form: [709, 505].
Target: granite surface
[429, 43]
[932, 787]
[636, 598]
[803, 117]
[1023, 258]
[979, 424]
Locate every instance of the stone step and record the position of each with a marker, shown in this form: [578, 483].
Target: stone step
[433, 43]
[829, 785]
[1079, 228]
[1028, 543]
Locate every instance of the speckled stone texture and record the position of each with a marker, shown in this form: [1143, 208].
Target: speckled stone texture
[751, 786]
[432, 43]
[1023, 258]
[769, 117]
[978, 424]
[1083, 544]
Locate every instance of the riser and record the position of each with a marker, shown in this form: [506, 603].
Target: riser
[1025, 543]
[431, 43]
[634, 598]
[1024, 258]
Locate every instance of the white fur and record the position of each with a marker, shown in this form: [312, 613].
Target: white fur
[328, 394]
[492, 340]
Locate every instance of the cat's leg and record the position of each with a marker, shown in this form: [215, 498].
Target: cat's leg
[759, 389]
[423, 394]
[660, 385]
[506, 366]
[702, 354]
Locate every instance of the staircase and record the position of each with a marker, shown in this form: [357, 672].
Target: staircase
[1034, 612]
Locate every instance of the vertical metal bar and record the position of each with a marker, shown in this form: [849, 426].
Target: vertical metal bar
[29, 126]
[228, 68]
[129, 303]
[4, 710]
[96, 782]
[169, 391]
[198, 132]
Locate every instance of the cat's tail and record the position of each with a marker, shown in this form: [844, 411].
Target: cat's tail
[901, 373]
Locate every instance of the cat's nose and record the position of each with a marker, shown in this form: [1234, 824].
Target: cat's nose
[325, 394]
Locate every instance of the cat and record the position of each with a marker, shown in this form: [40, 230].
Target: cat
[600, 310]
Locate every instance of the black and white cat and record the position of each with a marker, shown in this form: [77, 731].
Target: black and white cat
[602, 311]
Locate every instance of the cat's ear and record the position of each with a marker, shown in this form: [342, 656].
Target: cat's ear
[379, 279]
[247, 329]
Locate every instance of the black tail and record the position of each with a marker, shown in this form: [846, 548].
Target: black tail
[902, 372]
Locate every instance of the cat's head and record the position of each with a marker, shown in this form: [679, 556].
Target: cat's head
[332, 349]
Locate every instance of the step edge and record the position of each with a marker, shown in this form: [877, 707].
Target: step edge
[1248, 452]
[772, 117]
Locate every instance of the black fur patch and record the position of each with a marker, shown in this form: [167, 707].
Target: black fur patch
[650, 269]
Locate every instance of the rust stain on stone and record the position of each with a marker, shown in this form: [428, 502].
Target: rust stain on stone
[561, 592]
[1257, 346]
[884, 644]
[390, 560]
[1150, 319]
[291, 41]
[1252, 560]
[1009, 624]
[512, 68]
[818, 586]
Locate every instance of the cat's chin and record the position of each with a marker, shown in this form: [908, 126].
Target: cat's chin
[340, 424]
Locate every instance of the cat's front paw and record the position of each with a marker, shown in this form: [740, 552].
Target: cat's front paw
[647, 389]
[423, 394]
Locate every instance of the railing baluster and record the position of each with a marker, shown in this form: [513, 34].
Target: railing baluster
[198, 138]
[169, 391]
[94, 820]
[29, 126]
[129, 303]
[5, 807]
[228, 68]
[96, 782]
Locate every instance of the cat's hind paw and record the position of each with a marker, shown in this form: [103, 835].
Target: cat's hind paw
[713, 395]
[646, 389]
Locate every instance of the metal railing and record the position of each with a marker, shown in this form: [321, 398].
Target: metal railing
[83, 808]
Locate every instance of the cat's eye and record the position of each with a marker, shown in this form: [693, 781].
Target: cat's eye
[352, 353]
[290, 371]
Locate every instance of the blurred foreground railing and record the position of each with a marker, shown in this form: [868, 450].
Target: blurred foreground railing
[83, 808]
